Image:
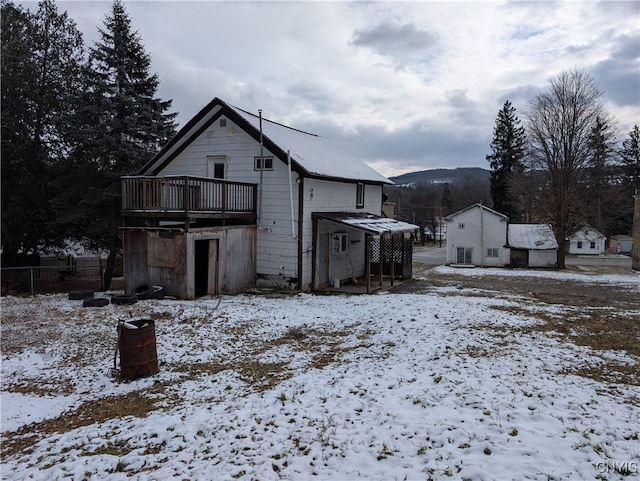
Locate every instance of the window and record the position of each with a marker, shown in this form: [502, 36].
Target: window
[592, 244]
[217, 166]
[460, 225]
[339, 240]
[492, 252]
[268, 163]
[223, 122]
[360, 195]
[579, 244]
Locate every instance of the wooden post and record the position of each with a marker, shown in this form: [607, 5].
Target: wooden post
[635, 249]
[367, 260]
[393, 258]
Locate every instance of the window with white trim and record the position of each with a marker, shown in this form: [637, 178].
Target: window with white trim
[492, 252]
[268, 163]
[360, 195]
[217, 166]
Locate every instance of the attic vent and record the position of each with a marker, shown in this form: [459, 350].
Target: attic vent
[223, 122]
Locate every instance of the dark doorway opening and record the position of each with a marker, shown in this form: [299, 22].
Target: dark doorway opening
[201, 267]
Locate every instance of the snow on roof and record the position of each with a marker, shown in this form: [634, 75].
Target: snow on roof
[369, 222]
[473, 206]
[317, 155]
[531, 236]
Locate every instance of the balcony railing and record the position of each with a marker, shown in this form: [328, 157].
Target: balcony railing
[187, 195]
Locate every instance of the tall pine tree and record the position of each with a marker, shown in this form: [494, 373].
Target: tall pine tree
[120, 125]
[42, 55]
[599, 188]
[630, 159]
[506, 161]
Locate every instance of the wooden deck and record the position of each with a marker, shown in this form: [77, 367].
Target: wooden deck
[186, 197]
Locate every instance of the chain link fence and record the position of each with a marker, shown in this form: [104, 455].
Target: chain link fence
[62, 274]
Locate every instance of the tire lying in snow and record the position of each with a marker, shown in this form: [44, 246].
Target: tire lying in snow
[130, 299]
[80, 295]
[143, 292]
[158, 292]
[95, 302]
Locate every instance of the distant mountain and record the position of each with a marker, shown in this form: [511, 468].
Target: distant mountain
[442, 176]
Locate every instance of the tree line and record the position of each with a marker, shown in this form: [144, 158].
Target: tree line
[75, 118]
[563, 166]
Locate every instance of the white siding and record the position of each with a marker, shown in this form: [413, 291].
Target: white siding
[543, 258]
[277, 243]
[580, 242]
[492, 235]
[327, 196]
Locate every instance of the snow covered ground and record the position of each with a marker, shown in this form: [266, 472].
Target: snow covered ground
[447, 384]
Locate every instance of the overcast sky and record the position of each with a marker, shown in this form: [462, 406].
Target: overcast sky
[405, 86]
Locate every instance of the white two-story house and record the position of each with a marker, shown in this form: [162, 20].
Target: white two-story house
[236, 200]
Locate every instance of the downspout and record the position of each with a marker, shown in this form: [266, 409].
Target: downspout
[261, 172]
[481, 235]
[293, 225]
[301, 221]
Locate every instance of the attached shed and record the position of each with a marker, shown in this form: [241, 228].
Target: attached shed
[532, 245]
[350, 245]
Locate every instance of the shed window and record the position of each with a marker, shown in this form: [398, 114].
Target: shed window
[360, 195]
[268, 163]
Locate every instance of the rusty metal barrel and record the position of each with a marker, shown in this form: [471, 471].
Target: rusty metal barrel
[137, 346]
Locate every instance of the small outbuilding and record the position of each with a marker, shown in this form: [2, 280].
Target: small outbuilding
[532, 245]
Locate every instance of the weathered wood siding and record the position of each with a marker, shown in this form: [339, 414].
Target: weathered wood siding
[167, 259]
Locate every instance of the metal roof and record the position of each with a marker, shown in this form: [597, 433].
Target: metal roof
[371, 223]
[531, 236]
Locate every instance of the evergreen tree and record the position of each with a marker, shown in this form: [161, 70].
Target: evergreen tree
[598, 173]
[506, 161]
[630, 159]
[120, 124]
[42, 53]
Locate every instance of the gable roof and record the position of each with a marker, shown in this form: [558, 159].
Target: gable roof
[587, 232]
[473, 206]
[312, 155]
[531, 236]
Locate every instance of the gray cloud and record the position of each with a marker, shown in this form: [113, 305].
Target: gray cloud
[398, 41]
[618, 76]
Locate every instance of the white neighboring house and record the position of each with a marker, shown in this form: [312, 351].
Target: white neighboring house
[216, 210]
[476, 236]
[587, 240]
[532, 245]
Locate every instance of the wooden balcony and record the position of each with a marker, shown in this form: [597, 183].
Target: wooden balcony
[186, 198]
